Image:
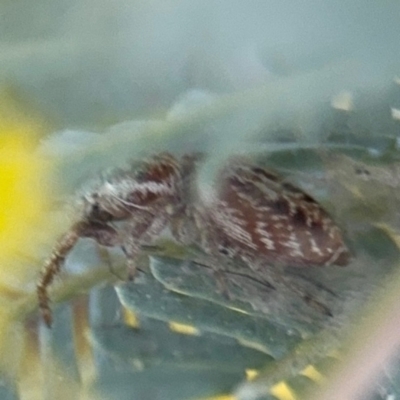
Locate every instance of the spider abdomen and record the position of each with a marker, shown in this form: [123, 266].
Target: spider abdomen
[259, 216]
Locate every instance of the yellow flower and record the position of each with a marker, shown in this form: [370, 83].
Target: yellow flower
[23, 202]
[23, 209]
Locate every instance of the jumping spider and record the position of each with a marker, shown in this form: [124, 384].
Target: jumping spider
[250, 214]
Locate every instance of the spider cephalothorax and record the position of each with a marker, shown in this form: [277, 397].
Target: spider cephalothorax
[251, 214]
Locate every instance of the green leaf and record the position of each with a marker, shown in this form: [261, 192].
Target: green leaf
[150, 298]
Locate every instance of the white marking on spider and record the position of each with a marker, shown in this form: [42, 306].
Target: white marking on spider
[265, 236]
[315, 248]
[294, 245]
[232, 225]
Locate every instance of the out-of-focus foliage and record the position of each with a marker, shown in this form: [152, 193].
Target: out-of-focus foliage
[91, 62]
[309, 89]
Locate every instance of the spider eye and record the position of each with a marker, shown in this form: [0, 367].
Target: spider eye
[96, 213]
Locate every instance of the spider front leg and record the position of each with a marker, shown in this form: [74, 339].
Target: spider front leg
[103, 234]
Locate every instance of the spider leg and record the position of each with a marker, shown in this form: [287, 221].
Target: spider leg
[218, 260]
[51, 268]
[141, 235]
[105, 257]
[102, 233]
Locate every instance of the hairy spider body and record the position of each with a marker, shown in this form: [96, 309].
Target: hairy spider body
[250, 214]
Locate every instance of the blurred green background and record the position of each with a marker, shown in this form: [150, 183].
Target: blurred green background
[310, 89]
